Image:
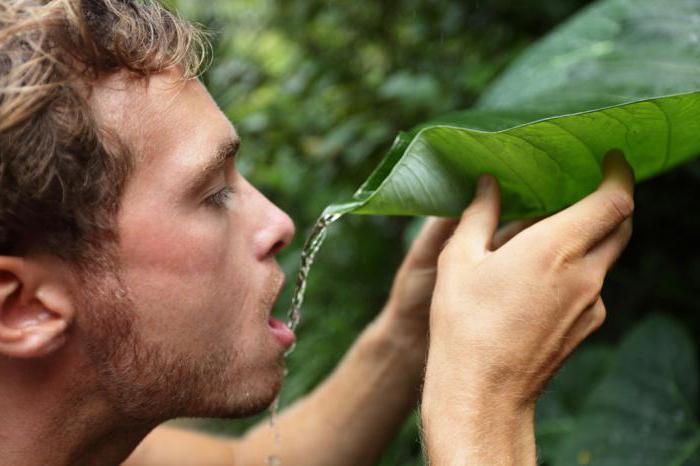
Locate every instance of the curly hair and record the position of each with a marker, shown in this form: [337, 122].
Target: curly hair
[61, 175]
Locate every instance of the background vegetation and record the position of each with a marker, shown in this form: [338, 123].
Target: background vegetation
[319, 89]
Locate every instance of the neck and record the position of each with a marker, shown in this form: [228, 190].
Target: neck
[53, 414]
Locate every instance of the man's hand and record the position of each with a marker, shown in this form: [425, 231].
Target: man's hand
[504, 319]
[412, 291]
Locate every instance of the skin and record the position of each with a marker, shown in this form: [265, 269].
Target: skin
[93, 363]
[504, 319]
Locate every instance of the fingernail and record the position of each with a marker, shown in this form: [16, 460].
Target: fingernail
[485, 183]
[614, 156]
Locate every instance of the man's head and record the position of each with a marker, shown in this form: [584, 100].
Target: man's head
[129, 243]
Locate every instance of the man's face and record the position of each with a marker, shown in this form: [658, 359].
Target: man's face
[184, 328]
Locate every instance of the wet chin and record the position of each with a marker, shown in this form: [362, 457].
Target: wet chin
[253, 398]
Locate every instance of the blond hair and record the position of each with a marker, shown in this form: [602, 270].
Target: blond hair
[61, 175]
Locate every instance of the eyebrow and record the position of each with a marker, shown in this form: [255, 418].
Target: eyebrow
[224, 151]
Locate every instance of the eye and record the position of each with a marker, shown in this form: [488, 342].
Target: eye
[219, 198]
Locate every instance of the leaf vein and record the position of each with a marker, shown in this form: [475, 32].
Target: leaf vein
[511, 169]
[669, 129]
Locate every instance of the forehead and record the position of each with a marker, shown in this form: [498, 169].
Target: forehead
[162, 119]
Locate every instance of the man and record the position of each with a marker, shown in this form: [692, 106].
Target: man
[138, 274]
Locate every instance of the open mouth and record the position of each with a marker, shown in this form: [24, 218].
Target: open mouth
[283, 333]
[278, 328]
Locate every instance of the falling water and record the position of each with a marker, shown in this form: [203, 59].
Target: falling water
[308, 254]
[273, 459]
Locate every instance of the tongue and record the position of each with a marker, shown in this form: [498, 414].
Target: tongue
[283, 333]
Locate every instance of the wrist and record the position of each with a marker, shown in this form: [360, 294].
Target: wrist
[482, 431]
[468, 420]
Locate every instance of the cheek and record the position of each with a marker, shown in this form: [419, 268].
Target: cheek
[185, 277]
[197, 244]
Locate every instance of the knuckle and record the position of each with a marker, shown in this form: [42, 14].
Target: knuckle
[559, 258]
[592, 285]
[546, 251]
[618, 205]
[599, 313]
[556, 260]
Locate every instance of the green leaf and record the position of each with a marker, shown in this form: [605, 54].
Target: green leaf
[644, 411]
[562, 402]
[542, 166]
[613, 52]
[621, 74]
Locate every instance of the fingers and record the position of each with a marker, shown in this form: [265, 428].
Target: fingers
[589, 221]
[509, 231]
[604, 254]
[480, 220]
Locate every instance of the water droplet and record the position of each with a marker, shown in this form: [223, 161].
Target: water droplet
[274, 411]
[273, 459]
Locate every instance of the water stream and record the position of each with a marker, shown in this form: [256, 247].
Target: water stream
[273, 459]
[308, 254]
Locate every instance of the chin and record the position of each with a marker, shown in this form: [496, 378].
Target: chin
[255, 396]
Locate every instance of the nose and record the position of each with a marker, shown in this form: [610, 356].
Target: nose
[275, 232]
[284, 230]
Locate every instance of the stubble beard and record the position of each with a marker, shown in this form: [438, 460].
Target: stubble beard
[149, 383]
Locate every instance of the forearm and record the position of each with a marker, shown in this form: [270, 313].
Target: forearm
[468, 420]
[351, 417]
[472, 435]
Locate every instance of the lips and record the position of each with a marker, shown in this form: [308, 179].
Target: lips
[283, 333]
[279, 329]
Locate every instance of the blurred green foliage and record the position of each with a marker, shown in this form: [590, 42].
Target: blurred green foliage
[319, 89]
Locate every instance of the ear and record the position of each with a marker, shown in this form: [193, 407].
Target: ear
[36, 308]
